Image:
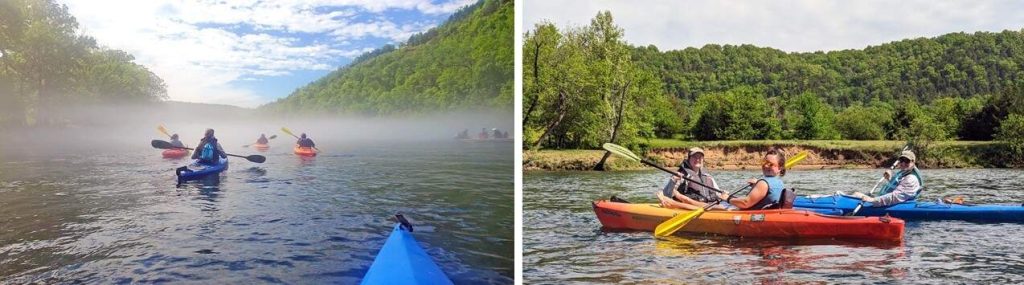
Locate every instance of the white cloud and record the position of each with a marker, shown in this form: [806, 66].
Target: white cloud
[198, 48]
[790, 25]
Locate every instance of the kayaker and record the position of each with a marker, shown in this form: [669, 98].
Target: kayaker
[682, 194]
[176, 142]
[483, 134]
[900, 188]
[463, 135]
[262, 140]
[505, 135]
[767, 191]
[496, 133]
[208, 150]
[305, 142]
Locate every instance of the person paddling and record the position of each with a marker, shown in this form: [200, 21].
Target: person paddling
[305, 142]
[680, 193]
[208, 150]
[767, 190]
[176, 142]
[262, 140]
[483, 134]
[899, 188]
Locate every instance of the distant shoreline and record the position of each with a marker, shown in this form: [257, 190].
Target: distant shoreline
[738, 155]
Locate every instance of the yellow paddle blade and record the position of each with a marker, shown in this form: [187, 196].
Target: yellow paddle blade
[621, 151]
[670, 227]
[163, 130]
[287, 131]
[796, 159]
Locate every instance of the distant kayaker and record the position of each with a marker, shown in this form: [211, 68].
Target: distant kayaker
[497, 133]
[305, 142]
[681, 193]
[483, 134]
[767, 191]
[262, 140]
[463, 135]
[899, 188]
[505, 135]
[208, 150]
[176, 142]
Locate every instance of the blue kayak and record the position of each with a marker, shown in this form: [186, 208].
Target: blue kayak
[914, 210]
[402, 261]
[198, 170]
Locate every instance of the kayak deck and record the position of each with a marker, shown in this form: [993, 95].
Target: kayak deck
[914, 210]
[784, 223]
[402, 261]
[197, 170]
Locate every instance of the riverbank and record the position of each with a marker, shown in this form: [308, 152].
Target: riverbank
[747, 155]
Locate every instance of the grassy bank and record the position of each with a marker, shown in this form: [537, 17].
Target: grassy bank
[747, 154]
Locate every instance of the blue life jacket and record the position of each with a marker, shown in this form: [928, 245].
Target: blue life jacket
[774, 195]
[209, 152]
[895, 181]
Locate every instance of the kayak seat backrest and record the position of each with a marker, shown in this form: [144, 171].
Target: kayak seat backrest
[919, 190]
[785, 200]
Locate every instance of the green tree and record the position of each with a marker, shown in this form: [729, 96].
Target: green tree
[861, 123]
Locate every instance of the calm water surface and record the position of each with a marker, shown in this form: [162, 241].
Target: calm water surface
[72, 217]
[563, 241]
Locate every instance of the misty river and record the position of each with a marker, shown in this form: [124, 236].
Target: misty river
[563, 242]
[95, 212]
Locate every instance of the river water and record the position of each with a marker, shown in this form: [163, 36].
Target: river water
[563, 241]
[92, 216]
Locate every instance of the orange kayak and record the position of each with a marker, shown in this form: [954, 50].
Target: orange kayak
[305, 151]
[785, 223]
[261, 147]
[175, 153]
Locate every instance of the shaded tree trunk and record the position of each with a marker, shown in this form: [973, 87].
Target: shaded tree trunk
[618, 123]
[554, 123]
[536, 84]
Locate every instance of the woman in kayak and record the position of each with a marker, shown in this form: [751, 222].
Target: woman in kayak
[305, 142]
[208, 150]
[176, 142]
[262, 140]
[902, 187]
[767, 191]
[682, 194]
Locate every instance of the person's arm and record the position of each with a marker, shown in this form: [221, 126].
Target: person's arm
[195, 154]
[758, 193]
[221, 150]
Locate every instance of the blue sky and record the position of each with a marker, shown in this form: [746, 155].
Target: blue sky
[789, 25]
[250, 52]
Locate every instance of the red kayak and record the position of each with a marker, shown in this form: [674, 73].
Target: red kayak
[261, 147]
[782, 223]
[304, 151]
[175, 153]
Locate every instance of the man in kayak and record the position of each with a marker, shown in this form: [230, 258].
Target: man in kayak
[262, 140]
[483, 134]
[767, 191]
[305, 142]
[496, 133]
[208, 150]
[682, 194]
[176, 142]
[899, 188]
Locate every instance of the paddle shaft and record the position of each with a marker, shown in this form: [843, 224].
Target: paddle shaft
[651, 163]
[893, 166]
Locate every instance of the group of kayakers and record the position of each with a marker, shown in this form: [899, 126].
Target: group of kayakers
[484, 134]
[209, 151]
[767, 190]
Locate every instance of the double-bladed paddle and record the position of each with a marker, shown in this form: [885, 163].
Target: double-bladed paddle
[167, 145]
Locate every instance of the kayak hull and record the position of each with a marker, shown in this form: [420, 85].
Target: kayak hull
[175, 153]
[196, 171]
[787, 223]
[402, 261]
[261, 147]
[304, 151]
[914, 210]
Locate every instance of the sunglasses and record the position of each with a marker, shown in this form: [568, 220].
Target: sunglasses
[904, 160]
[769, 163]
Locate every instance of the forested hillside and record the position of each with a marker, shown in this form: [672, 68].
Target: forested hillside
[46, 64]
[465, 63]
[584, 86]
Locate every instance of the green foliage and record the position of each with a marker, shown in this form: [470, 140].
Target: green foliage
[736, 114]
[581, 88]
[45, 62]
[813, 119]
[1011, 131]
[862, 123]
[465, 63]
